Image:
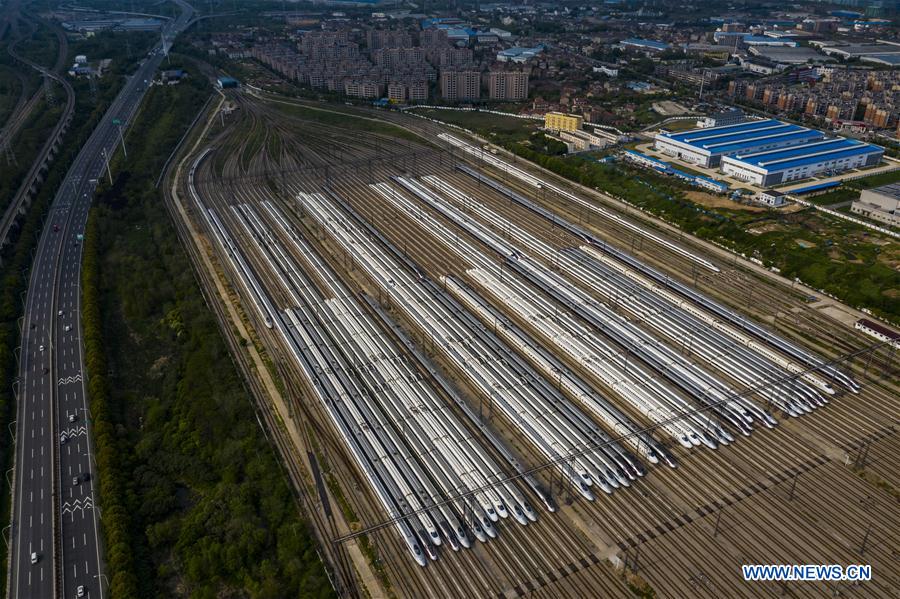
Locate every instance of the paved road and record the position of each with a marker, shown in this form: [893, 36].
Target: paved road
[49, 503]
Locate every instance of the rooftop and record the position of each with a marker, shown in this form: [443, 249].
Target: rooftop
[727, 138]
[518, 50]
[634, 41]
[790, 55]
[886, 59]
[879, 328]
[806, 153]
[891, 190]
[863, 49]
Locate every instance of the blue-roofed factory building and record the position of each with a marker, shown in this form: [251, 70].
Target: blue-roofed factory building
[802, 161]
[667, 169]
[707, 146]
[768, 152]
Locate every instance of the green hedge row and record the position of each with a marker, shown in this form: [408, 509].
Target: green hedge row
[116, 524]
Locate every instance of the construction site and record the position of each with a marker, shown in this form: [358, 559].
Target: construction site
[486, 381]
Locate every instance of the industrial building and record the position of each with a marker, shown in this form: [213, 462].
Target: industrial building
[667, 169]
[881, 204]
[706, 146]
[771, 198]
[768, 152]
[520, 55]
[559, 121]
[642, 45]
[732, 116]
[800, 161]
[584, 140]
[877, 330]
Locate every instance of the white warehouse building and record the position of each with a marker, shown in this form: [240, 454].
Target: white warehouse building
[707, 145]
[773, 167]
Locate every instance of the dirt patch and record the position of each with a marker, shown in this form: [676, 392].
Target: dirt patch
[804, 243]
[713, 201]
[768, 227]
[838, 314]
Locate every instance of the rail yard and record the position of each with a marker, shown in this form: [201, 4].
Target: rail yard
[514, 388]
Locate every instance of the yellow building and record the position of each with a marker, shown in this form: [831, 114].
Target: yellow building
[562, 122]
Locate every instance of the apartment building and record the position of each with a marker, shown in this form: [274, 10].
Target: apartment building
[511, 86]
[399, 91]
[460, 85]
[363, 89]
[559, 121]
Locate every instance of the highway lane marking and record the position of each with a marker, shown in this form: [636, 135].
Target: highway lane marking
[74, 431]
[69, 379]
[78, 504]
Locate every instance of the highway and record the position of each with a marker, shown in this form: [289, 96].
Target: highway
[55, 515]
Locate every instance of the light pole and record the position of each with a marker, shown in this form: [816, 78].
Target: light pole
[106, 160]
[118, 124]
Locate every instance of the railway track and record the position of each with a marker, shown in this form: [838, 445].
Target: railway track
[685, 530]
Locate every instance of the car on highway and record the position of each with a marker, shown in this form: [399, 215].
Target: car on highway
[35, 557]
[75, 481]
[60, 313]
[68, 328]
[79, 592]
[41, 348]
[73, 417]
[63, 439]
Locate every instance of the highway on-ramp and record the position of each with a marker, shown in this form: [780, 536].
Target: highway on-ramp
[55, 540]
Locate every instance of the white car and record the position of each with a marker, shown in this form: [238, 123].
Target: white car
[60, 313]
[35, 557]
[41, 348]
[75, 481]
[79, 592]
[73, 417]
[68, 328]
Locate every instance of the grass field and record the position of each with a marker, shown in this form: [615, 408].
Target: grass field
[683, 125]
[485, 123]
[336, 117]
